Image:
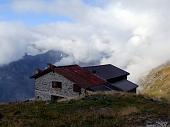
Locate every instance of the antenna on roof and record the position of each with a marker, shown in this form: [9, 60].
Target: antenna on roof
[51, 65]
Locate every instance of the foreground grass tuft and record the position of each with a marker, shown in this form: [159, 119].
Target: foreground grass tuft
[118, 110]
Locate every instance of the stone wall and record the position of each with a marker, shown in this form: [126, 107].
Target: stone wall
[44, 90]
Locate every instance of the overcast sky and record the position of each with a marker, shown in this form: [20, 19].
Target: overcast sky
[131, 34]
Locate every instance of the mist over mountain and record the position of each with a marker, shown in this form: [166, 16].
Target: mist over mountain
[125, 33]
[15, 82]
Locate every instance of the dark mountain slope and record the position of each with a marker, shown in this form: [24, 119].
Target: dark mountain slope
[15, 83]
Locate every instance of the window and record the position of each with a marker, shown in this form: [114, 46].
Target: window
[56, 84]
[76, 88]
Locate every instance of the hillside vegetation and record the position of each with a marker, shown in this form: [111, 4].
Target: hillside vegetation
[157, 83]
[102, 110]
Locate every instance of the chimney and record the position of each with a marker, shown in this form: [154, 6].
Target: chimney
[37, 71]
[50, 66]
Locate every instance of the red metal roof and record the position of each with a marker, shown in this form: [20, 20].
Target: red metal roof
[74, 73]
[80, 76]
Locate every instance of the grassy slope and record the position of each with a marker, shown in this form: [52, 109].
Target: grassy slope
[93, 111]
[157, 83]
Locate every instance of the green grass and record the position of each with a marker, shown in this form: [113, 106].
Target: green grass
[118, 110]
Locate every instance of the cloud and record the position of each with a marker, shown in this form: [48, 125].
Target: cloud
[120, 32]
[13, 41]
[73, 8]
[28, 5]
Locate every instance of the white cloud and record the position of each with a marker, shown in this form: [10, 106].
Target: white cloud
[13, 41]
[133, 35]
[28, 5]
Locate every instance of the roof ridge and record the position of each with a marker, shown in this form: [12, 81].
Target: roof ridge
[55, 66]
[99, 65]
[71, 65]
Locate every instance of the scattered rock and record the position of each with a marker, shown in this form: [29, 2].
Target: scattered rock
[157, 124]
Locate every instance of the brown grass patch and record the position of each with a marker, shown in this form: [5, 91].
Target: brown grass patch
[128, 110]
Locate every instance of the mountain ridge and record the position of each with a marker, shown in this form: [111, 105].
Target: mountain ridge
[15, 82]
